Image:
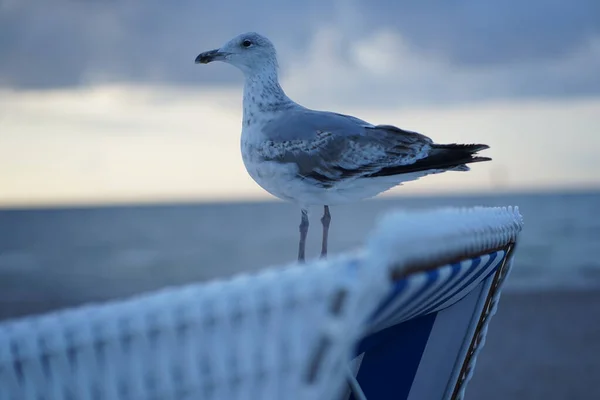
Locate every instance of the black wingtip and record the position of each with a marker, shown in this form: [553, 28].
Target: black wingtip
[450, 157]
[477, 147]
[470, 148]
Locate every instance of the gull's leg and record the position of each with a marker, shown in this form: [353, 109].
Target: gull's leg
[325, 220]
[303, 232]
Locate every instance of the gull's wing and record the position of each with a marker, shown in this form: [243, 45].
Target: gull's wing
[328, 147]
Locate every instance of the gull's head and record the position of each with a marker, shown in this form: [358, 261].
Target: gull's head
[249, 52]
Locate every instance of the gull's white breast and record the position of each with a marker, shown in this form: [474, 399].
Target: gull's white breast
[276, 178]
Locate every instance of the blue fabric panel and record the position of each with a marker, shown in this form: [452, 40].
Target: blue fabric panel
[392, 358]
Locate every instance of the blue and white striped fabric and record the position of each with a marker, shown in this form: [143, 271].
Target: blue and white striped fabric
[431, 291]
[422, 329]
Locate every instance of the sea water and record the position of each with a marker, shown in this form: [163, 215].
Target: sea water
[51, 258]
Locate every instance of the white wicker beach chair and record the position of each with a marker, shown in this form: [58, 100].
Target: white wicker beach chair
[445, 282]
[410, 311]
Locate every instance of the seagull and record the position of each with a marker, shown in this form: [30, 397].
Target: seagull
[321, 158]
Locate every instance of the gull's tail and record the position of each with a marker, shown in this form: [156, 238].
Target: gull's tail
[442, 157]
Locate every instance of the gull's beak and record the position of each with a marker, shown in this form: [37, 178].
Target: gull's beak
[212, 55]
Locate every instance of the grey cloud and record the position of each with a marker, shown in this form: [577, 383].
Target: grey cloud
[68, 43]
[64, 43]
[494, 32]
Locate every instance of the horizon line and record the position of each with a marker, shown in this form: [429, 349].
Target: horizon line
[193, 200]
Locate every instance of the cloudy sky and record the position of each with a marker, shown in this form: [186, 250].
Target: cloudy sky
[100, 100]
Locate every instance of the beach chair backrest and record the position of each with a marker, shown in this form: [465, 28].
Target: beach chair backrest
[422, 340]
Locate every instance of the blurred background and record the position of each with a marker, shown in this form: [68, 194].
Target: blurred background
[120, 166]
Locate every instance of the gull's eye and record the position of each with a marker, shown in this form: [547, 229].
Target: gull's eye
[246, 43]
